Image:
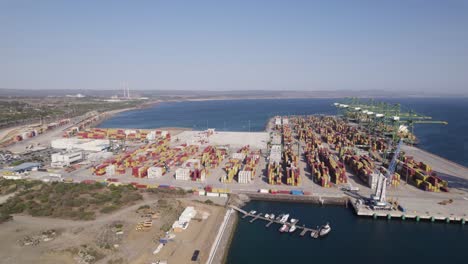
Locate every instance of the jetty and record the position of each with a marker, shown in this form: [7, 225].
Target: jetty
[271, 221]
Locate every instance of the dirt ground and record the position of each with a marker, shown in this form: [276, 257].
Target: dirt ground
[99, 241]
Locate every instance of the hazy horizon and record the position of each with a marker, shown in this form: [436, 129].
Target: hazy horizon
[236, 46]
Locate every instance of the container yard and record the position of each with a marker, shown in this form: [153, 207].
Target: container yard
[324, 156]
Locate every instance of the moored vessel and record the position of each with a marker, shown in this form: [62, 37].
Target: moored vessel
[284, 228]
[292, 229]
[324, 230]
[284, 218]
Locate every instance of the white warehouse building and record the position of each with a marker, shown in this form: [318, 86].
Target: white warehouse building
[94, 145]
[63, 159]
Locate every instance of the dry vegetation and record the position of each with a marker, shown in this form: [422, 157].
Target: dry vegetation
[93, 236]
[63, 200]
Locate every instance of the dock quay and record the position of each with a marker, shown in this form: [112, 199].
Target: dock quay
[271, 221]
[362, 210]
[322, 199]
[432, 211]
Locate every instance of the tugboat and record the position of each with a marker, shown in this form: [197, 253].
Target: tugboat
[324, 230]
[284, 228]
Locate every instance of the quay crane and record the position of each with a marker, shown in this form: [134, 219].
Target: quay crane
[379, 198]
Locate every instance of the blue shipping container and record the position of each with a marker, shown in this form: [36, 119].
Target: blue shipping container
[297, 192]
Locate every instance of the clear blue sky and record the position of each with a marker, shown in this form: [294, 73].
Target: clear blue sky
[231, 45]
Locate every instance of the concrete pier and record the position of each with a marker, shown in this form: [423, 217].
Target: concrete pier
[363, 210]
[271, 221]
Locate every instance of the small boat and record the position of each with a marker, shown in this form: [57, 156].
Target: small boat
[324, 230]
[292, 228]
[314, 233]
[253, 212]
[267, 216]
[284, 219]
[284, 228]
[272, 217]
[293, 220]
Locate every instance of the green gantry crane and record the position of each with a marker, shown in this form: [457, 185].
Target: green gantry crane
[381, 117]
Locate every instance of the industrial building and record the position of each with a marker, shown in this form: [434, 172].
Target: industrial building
[64, 159]
[184, 219]
[20, 169]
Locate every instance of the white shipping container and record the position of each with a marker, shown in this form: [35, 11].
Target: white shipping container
[278, 121]
[372, 181]
[128, 131]
[25, 135]
[210, 194]
[245, 177]
[182, 174]
[151, 136]
[110, 170]
[201, 193]
[224, 195]
[155, 172]
[263, 191]
[276, 139]
[275, 154]
[203, 176]
[239, 156]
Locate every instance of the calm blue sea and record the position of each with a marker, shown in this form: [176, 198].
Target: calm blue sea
[353, 239]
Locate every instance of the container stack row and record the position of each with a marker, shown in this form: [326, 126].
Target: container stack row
[122, 134]
[421, 175]
[320, 172]
[212, 156]
[363, 167]
[291, 169]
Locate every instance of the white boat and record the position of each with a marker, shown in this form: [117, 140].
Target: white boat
[292, 228]
[284, 219]
[267, 216]
[293, 220]
[253, 212]
[314, 234]
[324, 230]
[272, 217]
[284, 228]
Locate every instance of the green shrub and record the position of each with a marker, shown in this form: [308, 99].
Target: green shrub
[109, 209]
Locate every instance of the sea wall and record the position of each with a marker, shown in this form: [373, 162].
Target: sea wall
[315, 199]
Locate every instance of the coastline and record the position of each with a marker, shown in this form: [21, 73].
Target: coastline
[222, 252]
[268, 126]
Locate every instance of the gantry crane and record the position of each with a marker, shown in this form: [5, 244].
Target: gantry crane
[383, 118]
